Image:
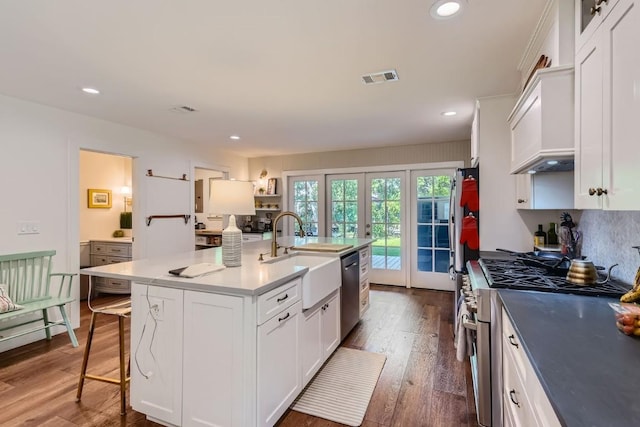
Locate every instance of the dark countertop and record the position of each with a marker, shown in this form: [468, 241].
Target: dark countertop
[589, 370]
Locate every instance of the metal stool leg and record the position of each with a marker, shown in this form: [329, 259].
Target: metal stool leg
[85, 359]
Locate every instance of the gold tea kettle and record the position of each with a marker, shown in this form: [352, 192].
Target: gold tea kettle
[582, 272]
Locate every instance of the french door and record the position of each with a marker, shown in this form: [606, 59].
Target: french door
[385, 223]
[370, 205]
[406, 213]
[430, 204]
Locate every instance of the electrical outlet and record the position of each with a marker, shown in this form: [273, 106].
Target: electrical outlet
[157, 310]
[28, 227]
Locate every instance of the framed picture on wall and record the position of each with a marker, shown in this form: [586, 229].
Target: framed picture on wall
[271, 186]
[99, 198]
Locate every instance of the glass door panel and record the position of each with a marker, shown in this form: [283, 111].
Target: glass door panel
[385, 218]
[430, 192]
[306, 195]
[346, 205]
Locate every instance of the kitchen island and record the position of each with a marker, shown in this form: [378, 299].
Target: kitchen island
[589, 371]
[230, 348]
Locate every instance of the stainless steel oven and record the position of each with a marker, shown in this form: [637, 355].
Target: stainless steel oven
[483, 322]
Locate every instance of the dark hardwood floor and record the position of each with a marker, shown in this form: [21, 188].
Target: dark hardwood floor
[422, 384]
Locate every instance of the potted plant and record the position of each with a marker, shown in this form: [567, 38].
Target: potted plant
[126, 221]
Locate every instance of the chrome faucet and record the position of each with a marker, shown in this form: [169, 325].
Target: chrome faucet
[274, 239]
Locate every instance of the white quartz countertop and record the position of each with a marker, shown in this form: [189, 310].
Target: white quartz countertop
[253, 277]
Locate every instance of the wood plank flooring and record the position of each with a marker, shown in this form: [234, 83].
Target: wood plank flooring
[422, 384]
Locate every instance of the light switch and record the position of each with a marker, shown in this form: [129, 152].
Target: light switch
[28, 227]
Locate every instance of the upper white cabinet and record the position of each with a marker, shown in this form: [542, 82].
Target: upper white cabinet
[589, 16]
[475, 136]
[607, 102]
[541, 122]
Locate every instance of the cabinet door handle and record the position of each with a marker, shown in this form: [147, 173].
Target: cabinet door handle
[599, 2]
[601, 191]
[594, 10]
[592, 191]
[280, 319]
[512, 341]
[522, 200]
[283, 298]
[512, 393]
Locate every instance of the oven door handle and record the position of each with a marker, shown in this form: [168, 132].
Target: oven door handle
[469, 324]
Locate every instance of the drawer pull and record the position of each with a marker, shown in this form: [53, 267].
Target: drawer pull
[512, 393]
[283, 298]
[280, 319]
[512, 341]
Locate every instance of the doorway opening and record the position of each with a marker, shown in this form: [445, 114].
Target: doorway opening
[105, 217]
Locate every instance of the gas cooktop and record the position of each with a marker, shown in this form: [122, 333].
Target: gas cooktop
[513, 274]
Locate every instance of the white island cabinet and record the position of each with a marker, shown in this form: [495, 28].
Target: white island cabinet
[184, 370]
[189, 371]
[320, 335]
[228, 348]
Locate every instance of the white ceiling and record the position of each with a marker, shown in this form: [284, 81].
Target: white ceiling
[285, 75]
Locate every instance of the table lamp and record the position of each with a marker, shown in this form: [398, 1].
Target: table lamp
[231, 198]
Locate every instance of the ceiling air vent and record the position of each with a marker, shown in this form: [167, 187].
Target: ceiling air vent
[183, 109]
[380, 77]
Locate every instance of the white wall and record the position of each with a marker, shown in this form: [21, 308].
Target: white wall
[106, 172]
[39, 167]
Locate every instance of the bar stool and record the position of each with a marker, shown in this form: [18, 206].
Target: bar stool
[122, 309]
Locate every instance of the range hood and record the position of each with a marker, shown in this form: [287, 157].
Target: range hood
[541, 123]
[547, 162]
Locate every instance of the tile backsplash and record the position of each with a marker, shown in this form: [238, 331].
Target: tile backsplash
[608, 237]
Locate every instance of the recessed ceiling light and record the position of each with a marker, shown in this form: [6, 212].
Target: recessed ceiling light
[91, 91]
[552, 162]
[234, 137]
[449, 113]
[531, 172]
[444, 9]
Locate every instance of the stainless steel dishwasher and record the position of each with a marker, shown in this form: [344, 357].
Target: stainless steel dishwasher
[350, 293]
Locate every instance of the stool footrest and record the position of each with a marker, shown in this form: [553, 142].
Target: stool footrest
[105, 379]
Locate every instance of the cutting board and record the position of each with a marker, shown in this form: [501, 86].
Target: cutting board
[322, 247]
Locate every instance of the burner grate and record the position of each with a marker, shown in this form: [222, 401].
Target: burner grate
[513, 274]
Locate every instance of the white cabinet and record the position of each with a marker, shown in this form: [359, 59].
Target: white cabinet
[475, 136]
[546, 190]
[320, 335]
[524, 400]
[184, 371]
[156, 352]
[212, 360]
[607, 110]
[365, 263]
[589, 16]
[279, 376]
[541, 122]
[200, 358]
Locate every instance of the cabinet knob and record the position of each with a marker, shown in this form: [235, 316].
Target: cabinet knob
[592, 191]
[599, 2]
[522, 200]
[601, 191]
[594, 10]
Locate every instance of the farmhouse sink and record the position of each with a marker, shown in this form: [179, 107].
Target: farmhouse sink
[322, 278]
